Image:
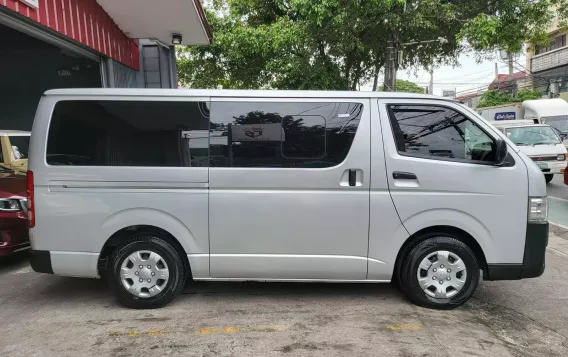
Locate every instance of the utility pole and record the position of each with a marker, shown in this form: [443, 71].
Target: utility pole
[390, 64]
[431, 88]
[497, 76]
[512, 85]
[510, 60]
[496, 71]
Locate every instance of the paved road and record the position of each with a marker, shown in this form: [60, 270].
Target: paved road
[45, 315]
[557, 188]
[558, 194]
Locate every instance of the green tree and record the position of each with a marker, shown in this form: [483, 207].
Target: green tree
[497, 97]
[527, 94]
[340, 44]
[406, 87]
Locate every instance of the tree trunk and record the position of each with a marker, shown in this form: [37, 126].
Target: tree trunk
[356, 76]
[376, 79]
[348, 66]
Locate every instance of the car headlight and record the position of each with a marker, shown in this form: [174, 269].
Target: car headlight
[561, 157]
[8, 204]
[538, 210]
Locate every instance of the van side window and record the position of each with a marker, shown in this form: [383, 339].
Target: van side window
[440, 133]
[282, 134]
[129, 133]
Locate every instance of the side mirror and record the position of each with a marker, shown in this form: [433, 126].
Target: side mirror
[500, 152]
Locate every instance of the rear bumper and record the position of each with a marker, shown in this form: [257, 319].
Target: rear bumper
[536, 241]
[40, 260]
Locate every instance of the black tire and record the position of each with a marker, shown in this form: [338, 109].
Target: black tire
[176, 267]
[409, 268]
[548, 177]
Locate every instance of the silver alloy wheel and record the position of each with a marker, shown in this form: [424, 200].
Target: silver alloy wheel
[442, 274]
[144, 273]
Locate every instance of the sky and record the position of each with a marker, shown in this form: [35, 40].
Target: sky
[465, 78]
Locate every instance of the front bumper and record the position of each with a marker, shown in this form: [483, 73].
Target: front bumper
[536, 240]
[14, 233]
[553, 167]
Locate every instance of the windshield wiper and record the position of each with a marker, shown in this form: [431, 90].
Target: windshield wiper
[544, 143]
[521, 144]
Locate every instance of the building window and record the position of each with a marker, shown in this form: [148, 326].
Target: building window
[282, 134]
[556, 43]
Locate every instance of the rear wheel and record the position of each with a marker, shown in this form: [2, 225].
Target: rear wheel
[439, 272]
[147, 272]
[548, 177]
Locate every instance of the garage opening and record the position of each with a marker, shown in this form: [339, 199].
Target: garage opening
[29, 67]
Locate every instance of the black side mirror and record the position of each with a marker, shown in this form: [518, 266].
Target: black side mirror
[500, 152]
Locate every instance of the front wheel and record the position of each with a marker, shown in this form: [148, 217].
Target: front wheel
[548, 177]
[147, 272]
[440, 272]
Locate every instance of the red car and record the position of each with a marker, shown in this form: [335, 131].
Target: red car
[14, 235]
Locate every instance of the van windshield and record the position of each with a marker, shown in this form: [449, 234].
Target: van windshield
[532, 135]
[558, 122]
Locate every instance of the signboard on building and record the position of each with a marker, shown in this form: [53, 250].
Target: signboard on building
[449, 93]
[31, 3]
[257, 132]
[506, 116]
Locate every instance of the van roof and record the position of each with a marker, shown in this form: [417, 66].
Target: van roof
[235, 93]
[509, 123]
[518, 126]
[547, 107]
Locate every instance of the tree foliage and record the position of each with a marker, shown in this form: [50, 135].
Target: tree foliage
[406, 87]
[340, 44]
[497, 97]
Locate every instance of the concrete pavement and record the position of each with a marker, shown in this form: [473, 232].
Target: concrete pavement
[45, 315]
[558, 200]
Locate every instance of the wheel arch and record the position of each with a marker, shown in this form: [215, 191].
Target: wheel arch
[116, 240]
[431, 231]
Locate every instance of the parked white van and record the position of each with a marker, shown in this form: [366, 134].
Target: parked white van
[292, 186]
[540, 142]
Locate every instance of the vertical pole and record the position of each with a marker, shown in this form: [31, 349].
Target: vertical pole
[230, 144]
[510, 55]
[431, 88]
[511, 83]
[496, 72]
[390, 65]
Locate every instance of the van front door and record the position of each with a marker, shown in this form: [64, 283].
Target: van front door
[289, 188]
[441, 172]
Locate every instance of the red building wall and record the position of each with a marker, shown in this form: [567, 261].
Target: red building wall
[84, 21]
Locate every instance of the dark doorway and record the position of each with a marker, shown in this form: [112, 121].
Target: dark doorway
[29, 67]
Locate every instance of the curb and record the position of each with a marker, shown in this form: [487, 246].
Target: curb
[557, 229]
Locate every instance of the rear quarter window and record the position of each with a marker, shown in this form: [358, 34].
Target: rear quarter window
[129, 133]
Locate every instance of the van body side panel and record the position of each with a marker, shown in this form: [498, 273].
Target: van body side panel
[386, 232]
[78, 208]
[486, 201]
[292, 223]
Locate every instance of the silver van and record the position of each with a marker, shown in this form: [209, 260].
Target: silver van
[151, 187]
